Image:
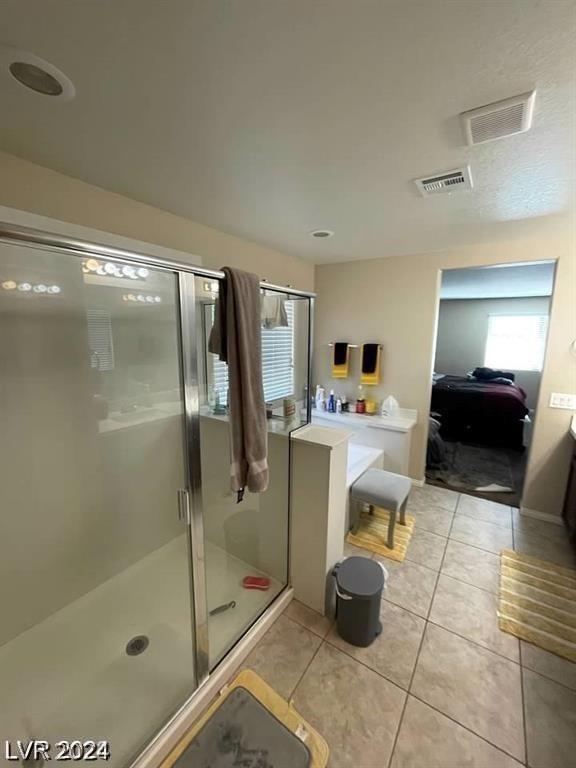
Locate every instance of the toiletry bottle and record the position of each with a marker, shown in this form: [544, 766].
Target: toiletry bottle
[360, 401]
[338, 406]
[331, 402]
[319, 397]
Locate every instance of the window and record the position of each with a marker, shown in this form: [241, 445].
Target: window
[277, 362]
[100, 339]
[516, 342]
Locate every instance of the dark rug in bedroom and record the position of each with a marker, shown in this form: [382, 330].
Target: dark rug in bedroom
[490, 473]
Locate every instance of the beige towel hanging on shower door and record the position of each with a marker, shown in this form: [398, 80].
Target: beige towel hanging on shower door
[236, 338]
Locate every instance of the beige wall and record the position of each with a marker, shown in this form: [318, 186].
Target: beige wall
[395, 301]
[30, 187]
[463, 330]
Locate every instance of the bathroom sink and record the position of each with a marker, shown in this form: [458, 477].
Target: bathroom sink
[135, 417]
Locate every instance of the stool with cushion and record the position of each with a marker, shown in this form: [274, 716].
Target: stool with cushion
[379, 488]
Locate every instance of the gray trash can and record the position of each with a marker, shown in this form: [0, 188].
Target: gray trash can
[359, 585]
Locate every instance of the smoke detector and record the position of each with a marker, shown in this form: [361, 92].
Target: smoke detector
[502, 118]
[447, 181]
[36, 74]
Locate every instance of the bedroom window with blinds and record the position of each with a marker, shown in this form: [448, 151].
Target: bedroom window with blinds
[516, 342]
[277, 362]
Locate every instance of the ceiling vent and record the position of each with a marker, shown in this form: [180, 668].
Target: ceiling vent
[449, 181]
[502, 118]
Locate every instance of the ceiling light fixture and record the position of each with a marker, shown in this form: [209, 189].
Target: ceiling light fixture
[25, 287]
[35, 78]
[36, 74]
[142, 298]
[322, 233]
[111, 269]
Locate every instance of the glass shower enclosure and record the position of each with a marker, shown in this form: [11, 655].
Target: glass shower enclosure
[123, 553]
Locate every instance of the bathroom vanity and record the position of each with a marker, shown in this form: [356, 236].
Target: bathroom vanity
[390, 434]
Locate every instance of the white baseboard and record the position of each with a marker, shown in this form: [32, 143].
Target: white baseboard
[167, 739]
[545, 516]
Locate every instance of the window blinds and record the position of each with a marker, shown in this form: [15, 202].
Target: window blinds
[100, 339]
[277, 362]
[516, 342]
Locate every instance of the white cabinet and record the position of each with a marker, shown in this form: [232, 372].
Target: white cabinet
[391, 434]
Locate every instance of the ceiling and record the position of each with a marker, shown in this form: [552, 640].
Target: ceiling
[519, 280]
[269, 119]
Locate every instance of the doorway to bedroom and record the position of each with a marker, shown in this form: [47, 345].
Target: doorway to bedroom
[490, 348]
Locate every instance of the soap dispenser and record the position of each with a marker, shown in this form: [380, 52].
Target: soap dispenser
[331, 402]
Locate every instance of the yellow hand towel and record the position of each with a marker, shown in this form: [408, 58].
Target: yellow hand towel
[370, 364]
[340, 360]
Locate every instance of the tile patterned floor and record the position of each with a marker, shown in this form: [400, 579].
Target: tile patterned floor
[442, 687]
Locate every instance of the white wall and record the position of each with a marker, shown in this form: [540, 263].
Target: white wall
[463, 330]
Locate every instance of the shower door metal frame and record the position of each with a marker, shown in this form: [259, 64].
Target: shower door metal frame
[12, 233]
[185, 275]
[195, 518]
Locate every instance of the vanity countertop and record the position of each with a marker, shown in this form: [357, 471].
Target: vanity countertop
[118, 420]
[403, 421]
[321, 436]
[361, 458]
[147, 415]
[274, 426]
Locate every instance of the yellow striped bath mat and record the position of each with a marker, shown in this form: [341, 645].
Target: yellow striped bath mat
[538, 602]
[372, 534]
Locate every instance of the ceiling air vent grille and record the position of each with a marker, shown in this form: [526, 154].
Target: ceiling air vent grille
[448, 181]
[502, 118]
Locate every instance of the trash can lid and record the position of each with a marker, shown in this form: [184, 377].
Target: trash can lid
[360, 577]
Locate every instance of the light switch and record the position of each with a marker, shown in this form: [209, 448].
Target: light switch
[562, 400]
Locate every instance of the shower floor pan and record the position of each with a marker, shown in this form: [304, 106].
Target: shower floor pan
[70, 676]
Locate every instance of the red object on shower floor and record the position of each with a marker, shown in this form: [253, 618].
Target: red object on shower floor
[256, 582]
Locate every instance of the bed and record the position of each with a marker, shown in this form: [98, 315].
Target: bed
[486, 412]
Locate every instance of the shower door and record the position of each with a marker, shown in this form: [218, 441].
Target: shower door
[245, 545]
[96, 639]
[126, 566]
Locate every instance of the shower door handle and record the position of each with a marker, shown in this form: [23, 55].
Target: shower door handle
[184, 505]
